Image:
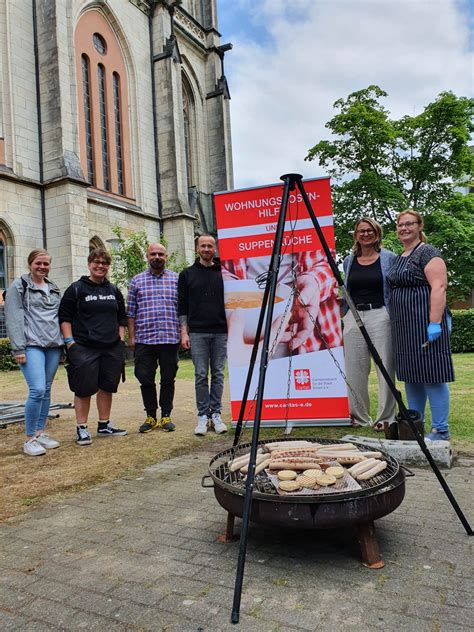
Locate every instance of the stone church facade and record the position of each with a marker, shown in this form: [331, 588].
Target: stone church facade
[112, 113]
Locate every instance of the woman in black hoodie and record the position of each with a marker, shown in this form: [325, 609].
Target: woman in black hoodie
[92, 318]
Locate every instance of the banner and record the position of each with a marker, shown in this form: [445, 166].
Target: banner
[304, 384]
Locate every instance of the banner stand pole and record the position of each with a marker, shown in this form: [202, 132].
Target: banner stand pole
[291, 181]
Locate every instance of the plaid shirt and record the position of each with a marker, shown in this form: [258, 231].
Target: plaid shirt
[153, 303]
[314, 263]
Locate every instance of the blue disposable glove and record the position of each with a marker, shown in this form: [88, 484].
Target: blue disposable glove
[434, 331]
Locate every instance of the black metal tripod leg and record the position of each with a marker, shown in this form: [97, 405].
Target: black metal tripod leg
[271, 283]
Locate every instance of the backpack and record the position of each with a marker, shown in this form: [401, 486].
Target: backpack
[24, 284]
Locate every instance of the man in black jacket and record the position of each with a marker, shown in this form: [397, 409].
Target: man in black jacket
[204, 331]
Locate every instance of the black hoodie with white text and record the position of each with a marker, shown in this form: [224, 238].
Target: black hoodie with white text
[95, 310]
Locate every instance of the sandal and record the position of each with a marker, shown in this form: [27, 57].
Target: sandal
[378, 427]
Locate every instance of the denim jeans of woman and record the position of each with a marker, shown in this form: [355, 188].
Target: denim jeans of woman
[438, 397]
[39, 371]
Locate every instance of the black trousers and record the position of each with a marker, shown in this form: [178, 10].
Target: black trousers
[147, 360]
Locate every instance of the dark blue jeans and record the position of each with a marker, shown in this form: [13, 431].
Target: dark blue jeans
[208, 351]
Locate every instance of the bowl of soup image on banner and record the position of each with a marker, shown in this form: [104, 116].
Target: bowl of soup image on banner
[248, 295]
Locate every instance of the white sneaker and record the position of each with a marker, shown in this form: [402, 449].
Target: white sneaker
[219, 425]
[33, 448]
[47, 442]
[201, 428]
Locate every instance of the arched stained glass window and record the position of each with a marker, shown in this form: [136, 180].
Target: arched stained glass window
[118, 132]
[3, 266]
[86, 95]
[104, 128]
[189, 130]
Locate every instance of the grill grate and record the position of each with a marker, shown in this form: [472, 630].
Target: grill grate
[265, 490]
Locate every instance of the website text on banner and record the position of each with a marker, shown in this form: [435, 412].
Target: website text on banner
[246, 225]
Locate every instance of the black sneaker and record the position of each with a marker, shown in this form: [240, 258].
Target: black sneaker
[83, 435]
[166, 424]
[149, 424]
[107, 430]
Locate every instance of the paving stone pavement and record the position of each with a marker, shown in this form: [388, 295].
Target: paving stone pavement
[142, 553]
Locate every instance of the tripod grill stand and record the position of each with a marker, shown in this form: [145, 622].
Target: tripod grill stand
[292, 181]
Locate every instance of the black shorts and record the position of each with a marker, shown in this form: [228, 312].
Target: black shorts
[90, 369]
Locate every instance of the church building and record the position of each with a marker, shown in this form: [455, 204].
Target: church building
[112, 113]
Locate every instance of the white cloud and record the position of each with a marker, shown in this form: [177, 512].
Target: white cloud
[315, 52]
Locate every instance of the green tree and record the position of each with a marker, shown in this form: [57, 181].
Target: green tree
[450, 228]
[129, 257]
[382, 166]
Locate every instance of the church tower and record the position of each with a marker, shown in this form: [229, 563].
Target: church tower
[112, 113]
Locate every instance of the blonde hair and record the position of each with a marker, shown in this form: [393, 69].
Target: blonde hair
[38, 252]
[418, 218]
[356, 247]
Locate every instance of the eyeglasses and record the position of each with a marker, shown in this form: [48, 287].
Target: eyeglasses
[406, 224]
[365, 231]
[101, 263]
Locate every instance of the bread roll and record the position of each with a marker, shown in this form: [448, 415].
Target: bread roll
[289, 486]
[286, 475]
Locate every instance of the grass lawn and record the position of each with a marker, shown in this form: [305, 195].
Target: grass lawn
[461, 418]
[27, 481]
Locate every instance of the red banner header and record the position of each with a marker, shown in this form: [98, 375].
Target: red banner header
[247, 219]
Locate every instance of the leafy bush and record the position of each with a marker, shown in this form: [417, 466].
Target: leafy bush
[462, 337]
[129, 257]
[7, 363]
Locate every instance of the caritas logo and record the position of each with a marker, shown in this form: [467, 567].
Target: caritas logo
[302, 379]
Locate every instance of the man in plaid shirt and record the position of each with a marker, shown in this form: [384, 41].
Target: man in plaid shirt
[317, 303]
[153, 330]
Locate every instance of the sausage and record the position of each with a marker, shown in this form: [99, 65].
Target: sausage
[344, 458]
[262, 466]
[293, 465]
[338, 446]
[236, 463]
[293, 453]
[349, 460]
[297, 459]
[336, 453]
[290, 445]
[305, 448]
[258, 460]
[375, 470]
[362, 466]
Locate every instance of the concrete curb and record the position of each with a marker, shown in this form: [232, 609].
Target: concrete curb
[408, 452]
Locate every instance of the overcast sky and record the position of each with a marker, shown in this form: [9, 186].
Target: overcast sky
[292, 59]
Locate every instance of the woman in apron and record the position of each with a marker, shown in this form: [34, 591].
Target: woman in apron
[421, 324]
